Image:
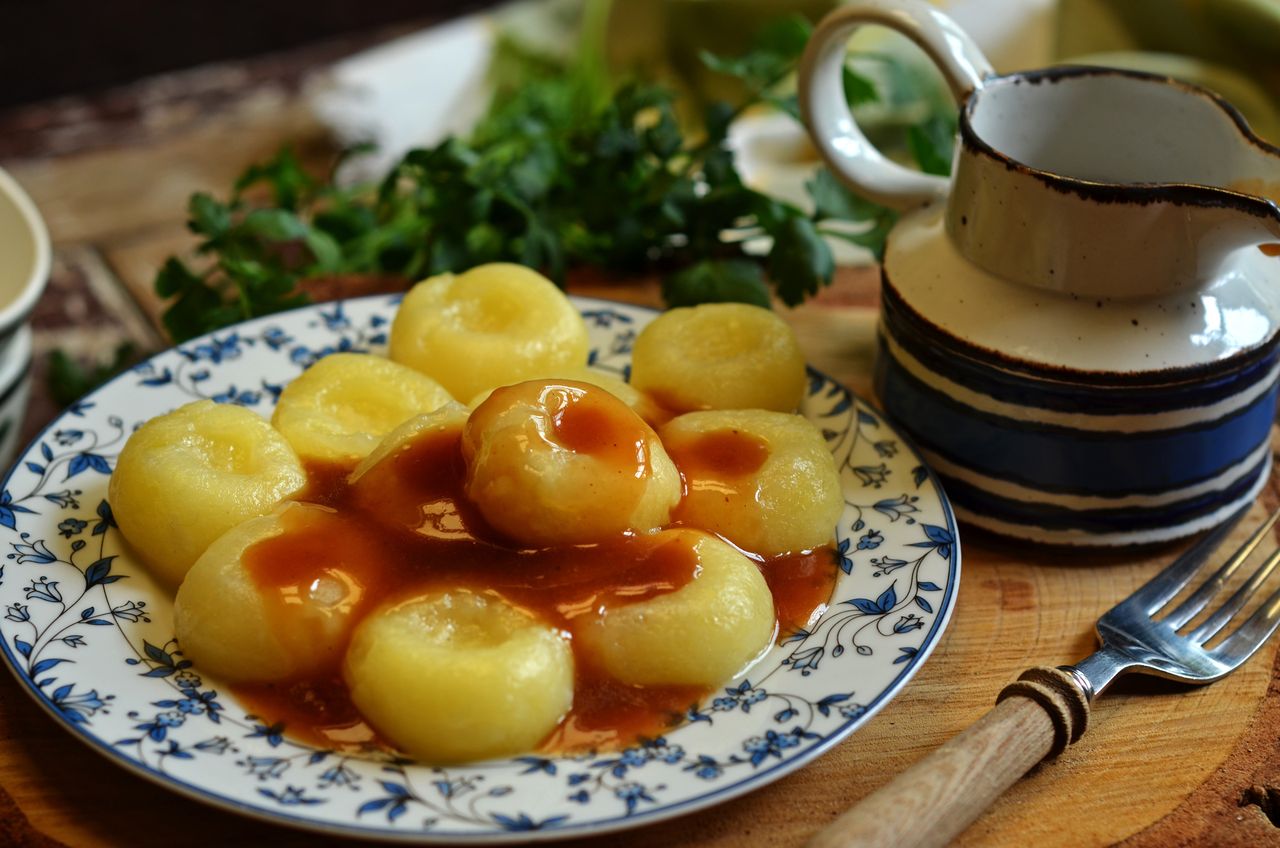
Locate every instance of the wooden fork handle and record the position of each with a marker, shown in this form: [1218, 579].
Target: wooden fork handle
[930, 803]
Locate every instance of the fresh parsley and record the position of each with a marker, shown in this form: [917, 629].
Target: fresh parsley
[70, 379]
[562, 172]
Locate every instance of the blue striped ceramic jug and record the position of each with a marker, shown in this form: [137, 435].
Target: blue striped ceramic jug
[1079, 327]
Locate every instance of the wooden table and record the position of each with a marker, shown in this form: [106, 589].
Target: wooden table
[1161, 765]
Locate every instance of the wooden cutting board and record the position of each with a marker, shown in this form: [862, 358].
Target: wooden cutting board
[1161, 765]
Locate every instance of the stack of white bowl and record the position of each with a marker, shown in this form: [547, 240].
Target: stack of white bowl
[24, 270]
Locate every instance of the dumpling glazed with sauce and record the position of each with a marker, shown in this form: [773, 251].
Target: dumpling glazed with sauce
[763, 480]
[458, 675]
[563, 463]
[277, 597]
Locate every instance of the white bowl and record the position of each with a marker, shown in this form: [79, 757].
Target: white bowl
[24, 256]
[24, 271]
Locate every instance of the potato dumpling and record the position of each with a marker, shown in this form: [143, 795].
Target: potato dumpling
[702, 634]
[339, 408]
[450, 417]
[764, 480]
[643, 405]
[455, 676]
[493, 325]
[277, 596]
[400, 484]
[719, 356]
[562, 462]
[185, 478]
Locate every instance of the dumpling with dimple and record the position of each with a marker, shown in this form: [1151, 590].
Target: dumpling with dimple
[185, 478]
[339, 408]
[561, 463]
[701, 634]
[719, 356]
[644, 406]
[493, 325]
[457, 675]
[276, 597]
[766, 481]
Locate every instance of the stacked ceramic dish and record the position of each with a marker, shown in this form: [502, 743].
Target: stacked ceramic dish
[24, 270]
[1081, 327]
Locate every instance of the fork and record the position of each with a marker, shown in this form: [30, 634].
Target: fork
[1047, 709]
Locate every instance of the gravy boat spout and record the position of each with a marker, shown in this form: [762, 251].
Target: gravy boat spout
[1103, 182]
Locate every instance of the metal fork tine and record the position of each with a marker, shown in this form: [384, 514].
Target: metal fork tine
[1188, 609]
[1159, 590]
[1239, 646]
[1223, 614]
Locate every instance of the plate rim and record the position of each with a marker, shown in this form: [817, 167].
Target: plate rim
[753, 781]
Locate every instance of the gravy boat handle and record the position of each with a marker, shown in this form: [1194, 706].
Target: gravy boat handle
[826, 111]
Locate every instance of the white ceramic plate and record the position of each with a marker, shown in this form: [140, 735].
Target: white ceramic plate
[90, 636]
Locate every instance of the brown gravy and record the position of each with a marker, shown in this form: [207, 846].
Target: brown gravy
[406, 528]
[720, 453]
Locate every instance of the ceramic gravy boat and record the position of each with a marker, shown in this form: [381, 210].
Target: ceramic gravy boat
[1079, 327]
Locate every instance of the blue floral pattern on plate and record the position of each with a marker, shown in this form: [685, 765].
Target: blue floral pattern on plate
[90, 635]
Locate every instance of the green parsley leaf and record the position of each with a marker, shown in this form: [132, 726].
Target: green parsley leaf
[931, 144]
[324, 248]
[290, 185]
[196, 309]
[858, 90]
[717, 281]
[70, 380]
[716, 118]
[785, 37]
[833, 199]
[800, 262]
[174, 278]
[273, 225]
[776, 49]
[209, 218]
